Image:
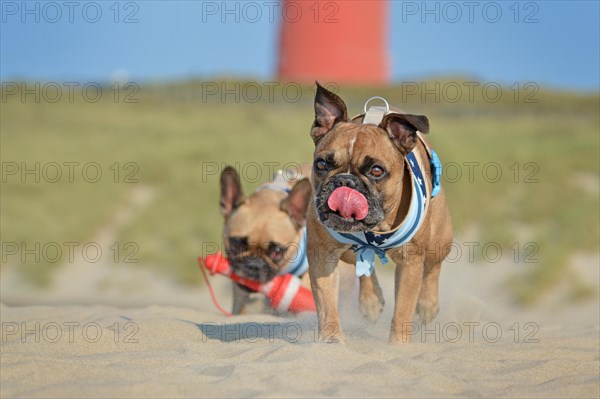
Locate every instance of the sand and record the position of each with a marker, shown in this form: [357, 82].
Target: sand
[481, 346]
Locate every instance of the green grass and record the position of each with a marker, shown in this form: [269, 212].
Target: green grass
[173, 136]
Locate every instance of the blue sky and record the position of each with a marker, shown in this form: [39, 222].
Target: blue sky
[554, 43]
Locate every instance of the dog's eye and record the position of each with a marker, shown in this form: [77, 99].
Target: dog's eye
[276, 252]
[376, 171]
[320, 165]
[237, 245]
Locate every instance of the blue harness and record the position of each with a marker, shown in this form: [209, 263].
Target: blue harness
[367, 244]
[298, 265]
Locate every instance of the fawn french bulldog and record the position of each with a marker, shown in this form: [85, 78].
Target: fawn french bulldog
[376, 192]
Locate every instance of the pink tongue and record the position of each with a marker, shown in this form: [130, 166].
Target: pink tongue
[349, 203]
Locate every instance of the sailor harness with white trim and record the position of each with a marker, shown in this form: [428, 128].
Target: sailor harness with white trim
[367, 244]
[298, 264]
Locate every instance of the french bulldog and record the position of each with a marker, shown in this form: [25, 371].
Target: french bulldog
[263, 232]
[366, 191]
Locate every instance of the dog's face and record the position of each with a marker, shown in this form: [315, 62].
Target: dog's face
[358, 169]
[261, 232]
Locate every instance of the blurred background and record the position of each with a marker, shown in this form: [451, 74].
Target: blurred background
[118, 116]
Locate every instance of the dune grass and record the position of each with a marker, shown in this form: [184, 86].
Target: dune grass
[547, 153]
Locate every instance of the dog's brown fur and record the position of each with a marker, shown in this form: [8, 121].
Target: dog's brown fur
[418, 263]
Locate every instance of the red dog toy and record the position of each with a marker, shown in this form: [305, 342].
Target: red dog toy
[284, 292]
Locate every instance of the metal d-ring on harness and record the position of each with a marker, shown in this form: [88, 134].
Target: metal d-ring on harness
[367, 244]
[374, 115]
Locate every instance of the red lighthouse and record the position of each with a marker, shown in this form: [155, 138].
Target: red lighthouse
[337, 41]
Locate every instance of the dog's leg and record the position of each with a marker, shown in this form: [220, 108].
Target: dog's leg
[370, 297]
[438, 248]
[428, 304]
[324, 280]
[409, 278]
[240, 298]
[325, 283]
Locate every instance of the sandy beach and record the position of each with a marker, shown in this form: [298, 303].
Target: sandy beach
[480, 345]
[166, 352]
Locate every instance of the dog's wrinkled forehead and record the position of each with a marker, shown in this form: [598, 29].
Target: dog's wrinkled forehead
[260, 225]
[351, 143]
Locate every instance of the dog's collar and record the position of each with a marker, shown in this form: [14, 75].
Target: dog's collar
[298, 265]
[367, 244]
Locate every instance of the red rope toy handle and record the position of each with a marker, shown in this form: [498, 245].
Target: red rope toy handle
[285, 292]
[201, 262]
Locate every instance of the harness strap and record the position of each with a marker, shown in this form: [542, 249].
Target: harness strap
[298, 265]
[436, 167]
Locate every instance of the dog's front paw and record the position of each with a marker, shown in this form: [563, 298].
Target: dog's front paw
[371, 306]
[332, 339]
[427, 310]
[330, 333]
[402, 333]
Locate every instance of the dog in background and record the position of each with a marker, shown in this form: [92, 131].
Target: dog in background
[264, 233]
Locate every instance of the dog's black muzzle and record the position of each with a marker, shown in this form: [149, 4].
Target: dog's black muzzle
[254, 268]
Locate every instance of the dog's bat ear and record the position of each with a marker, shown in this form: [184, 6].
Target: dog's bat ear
[402, 129]
[296, 203]
[329, 110]
[231, 191]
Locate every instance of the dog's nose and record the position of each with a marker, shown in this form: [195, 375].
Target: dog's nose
[346, 180]
[253, 267]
